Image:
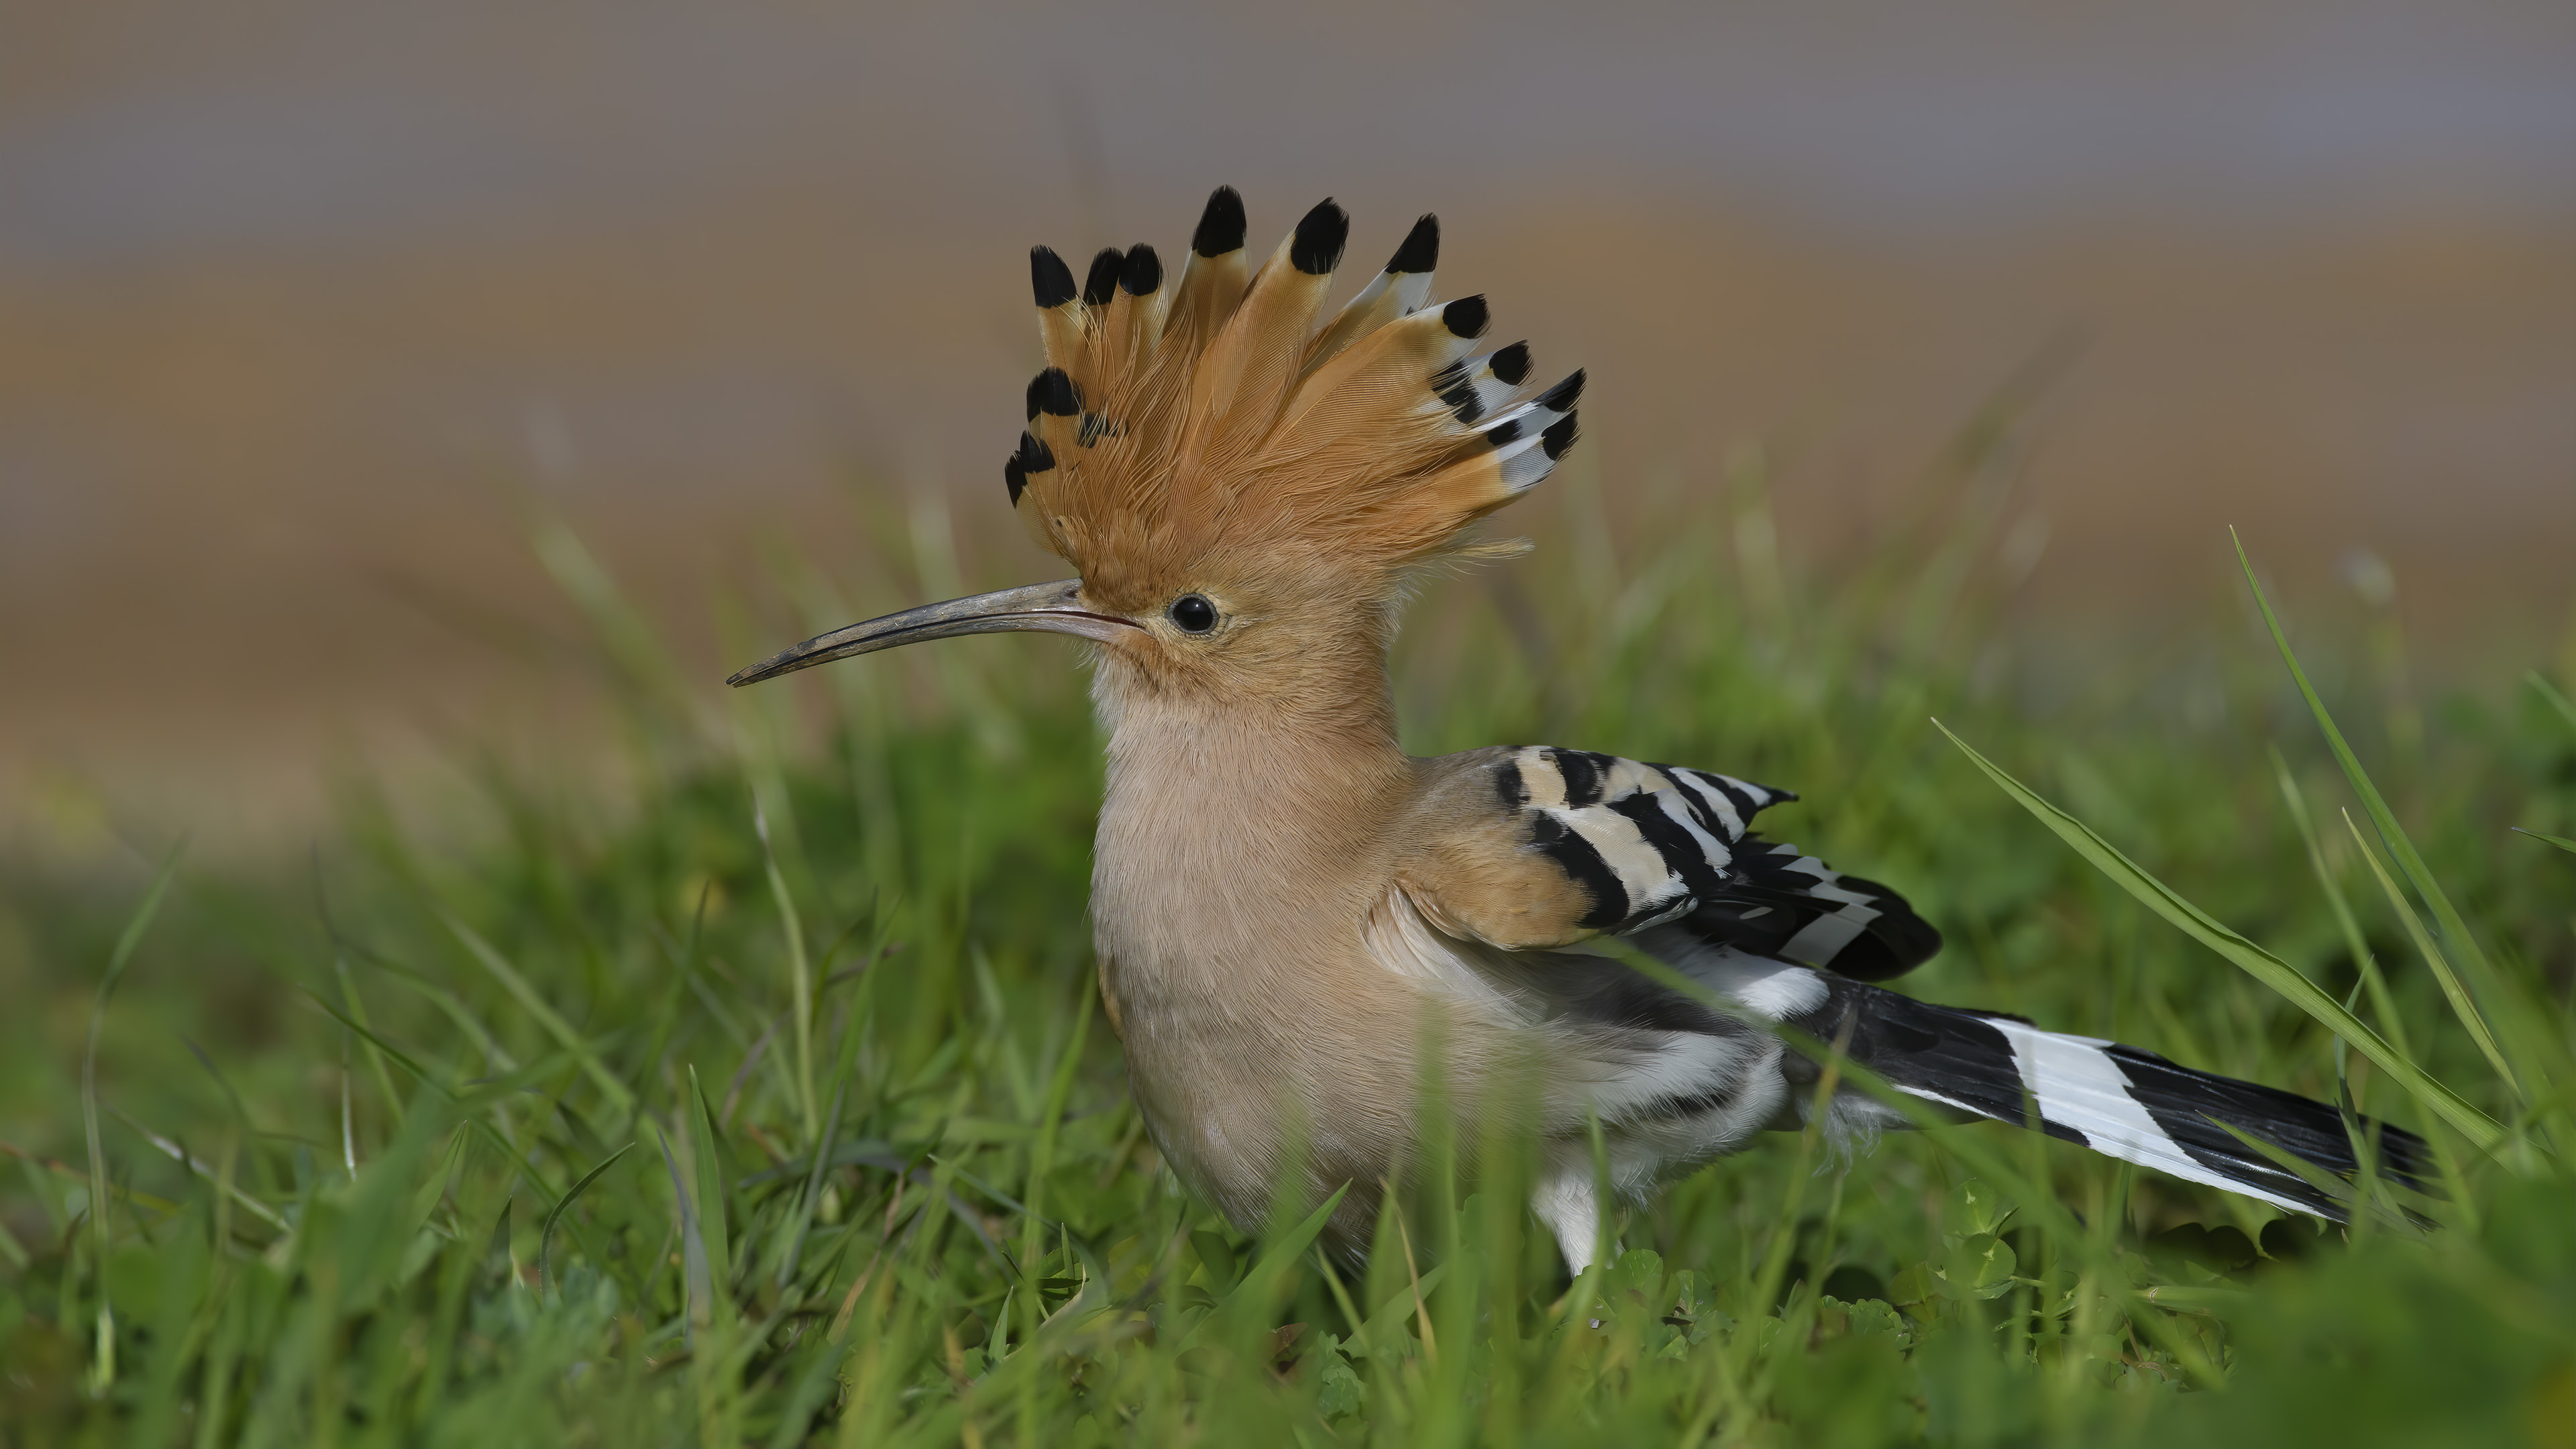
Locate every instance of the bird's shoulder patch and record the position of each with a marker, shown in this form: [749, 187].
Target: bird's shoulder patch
[1540, 846]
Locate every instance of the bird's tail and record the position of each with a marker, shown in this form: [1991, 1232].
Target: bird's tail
[2118, 1100]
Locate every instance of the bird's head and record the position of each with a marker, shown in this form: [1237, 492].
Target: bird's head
[1242, 490]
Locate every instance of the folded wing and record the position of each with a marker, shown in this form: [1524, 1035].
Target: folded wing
[1539, 847]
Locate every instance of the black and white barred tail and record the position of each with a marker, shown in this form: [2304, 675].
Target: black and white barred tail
[2117, 1100]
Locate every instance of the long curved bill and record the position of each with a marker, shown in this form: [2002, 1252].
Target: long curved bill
[1048, 608]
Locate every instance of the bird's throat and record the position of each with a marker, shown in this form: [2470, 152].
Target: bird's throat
[1229, 828]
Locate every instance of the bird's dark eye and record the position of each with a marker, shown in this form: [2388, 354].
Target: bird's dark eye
[1194, 615]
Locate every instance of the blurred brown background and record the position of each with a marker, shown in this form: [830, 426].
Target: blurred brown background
[303, 307]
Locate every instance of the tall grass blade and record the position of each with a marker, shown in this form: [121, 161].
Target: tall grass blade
[465, 1100]
[2365, 961]
[803, 1221]
[2365, 965]
[2561, 841]
[800, 974]
[2256, 962]
[348, 1114]
[708, 1155]
[629, 638]
[2453, 989]
[2481, 973]
[2540, 685]
[181, 1155]
[103, 1365]
[544, 1015]
[1051, 1120]
[1261, 1283]
[697, 1284]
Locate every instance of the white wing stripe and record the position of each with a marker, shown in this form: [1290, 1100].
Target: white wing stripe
[1711, 849]
[2074, 1082]
[1719, 808]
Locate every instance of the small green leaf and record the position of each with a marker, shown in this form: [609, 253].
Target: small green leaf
[1979, 1207]
[1214, 1255]
[1978, 1265]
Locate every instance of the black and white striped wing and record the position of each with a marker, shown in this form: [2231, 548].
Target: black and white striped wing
[1794, 907]
[1647, 842]
[1656, 844]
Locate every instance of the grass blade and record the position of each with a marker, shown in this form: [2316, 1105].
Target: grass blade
[2456, 991]
[801, 1221]
[1260, 1281]
[709, 1157]
[800, 973]
[2256, 962]
[695, 1280]
[103, 1368]
[1050, 1121]
[2561, 841]
[465, 1100]
[2481, 972]
[2366, 963]
[555, 1026]
[2364, 959]
[545, 1235]
[181, 1155]
[1259, 1285]
[2566, 708]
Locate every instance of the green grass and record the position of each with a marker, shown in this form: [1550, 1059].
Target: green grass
[764, 1098]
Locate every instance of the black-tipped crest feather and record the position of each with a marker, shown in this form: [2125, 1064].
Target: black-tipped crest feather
[1052, 392]
[1221, 225]
[1321, 235]
[1562, 397]
[1101, 284]
[1421, 249]
[1049, 277]
[1034, 455]
[1143, 274]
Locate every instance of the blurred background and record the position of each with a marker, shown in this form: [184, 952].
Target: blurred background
[306, 311]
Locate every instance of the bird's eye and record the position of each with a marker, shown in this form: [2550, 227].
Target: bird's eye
[1193, 614]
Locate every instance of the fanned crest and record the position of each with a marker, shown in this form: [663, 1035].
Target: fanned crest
[1222, 412]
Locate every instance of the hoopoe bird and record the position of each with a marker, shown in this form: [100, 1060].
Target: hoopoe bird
[1290, 913]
